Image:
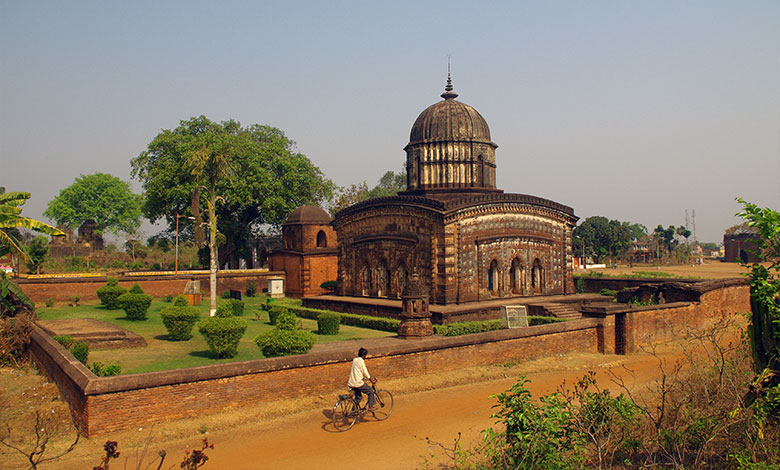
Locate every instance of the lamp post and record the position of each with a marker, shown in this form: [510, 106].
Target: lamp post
[176, 262]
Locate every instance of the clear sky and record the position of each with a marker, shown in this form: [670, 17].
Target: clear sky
[631, 110]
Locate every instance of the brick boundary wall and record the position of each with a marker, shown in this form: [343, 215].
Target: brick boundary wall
[157, 285]
[106, 404]
[596, 283]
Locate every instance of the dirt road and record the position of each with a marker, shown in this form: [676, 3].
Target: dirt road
[303, 438]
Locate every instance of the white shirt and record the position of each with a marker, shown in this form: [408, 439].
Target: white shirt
[358, 373]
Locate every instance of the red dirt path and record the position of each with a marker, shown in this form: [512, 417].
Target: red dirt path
[309, 441]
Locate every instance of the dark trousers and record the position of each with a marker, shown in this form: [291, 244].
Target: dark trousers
[368, 390]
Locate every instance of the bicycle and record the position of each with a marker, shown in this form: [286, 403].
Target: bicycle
[348, 409]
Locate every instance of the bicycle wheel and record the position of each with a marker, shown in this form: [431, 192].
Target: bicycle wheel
[344, 414]
[384, 403]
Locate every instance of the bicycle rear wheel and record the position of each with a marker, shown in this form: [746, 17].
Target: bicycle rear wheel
[384, 405]
[345, 414]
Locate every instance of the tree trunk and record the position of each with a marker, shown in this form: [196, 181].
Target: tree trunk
[213, 256]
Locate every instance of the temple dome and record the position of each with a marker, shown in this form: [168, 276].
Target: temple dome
[308, 215]
[449, 120]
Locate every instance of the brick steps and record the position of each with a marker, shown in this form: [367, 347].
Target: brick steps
[567, 311]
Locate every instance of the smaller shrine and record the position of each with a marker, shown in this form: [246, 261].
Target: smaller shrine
[309, 253]
[416, 315]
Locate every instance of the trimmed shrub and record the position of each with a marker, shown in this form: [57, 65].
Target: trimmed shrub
[274, 312]
[540, 320]
[278, 342]
[80, 351]
[251, 289]
[223, 334]
[109, 294]
[65, 340]
[168, 298]
[226, 294]
[135, 303]
[224, 309]
[328, 323]
[329, 285]
[238, 307]
[351, 319]
[179, 319]
[110, 370]
[467, 327]
[287, 321]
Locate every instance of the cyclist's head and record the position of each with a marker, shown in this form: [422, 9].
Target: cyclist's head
[362, 352]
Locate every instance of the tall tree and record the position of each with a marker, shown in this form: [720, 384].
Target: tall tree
[600, 237]
[267, 180]
[100, 197]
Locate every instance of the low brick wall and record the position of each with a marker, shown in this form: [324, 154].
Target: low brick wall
[157, 286]
[596, 283]
[105, 404]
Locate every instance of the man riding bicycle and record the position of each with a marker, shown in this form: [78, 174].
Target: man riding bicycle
[357, 377]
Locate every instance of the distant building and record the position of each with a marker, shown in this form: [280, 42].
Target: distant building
[741, 247]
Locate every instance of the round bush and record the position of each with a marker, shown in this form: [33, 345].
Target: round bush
[287, 321]
[179, 320]
[222, 334]
[274, 312]
[238, 307]
[328, 323]
[278, 342]
[224, 309]
[135, 305]
[109, 294]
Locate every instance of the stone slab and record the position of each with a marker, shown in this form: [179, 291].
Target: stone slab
[98, 334]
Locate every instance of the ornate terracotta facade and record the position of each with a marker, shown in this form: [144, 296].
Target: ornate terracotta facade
[467, 240]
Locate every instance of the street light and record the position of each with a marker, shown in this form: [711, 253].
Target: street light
[176, 262]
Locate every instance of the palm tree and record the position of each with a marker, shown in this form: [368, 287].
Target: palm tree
[210, 162]
[10, 218]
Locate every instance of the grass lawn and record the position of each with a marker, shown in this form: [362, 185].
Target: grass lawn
[161, 354]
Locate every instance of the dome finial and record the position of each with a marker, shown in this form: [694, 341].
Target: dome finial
[448, 93]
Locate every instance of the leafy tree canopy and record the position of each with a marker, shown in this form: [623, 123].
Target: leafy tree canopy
[389, 184]
[266, 180]
[100, 197]
[601, 237]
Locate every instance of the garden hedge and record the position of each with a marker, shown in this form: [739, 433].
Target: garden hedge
[278, 342]
[135, 303]
[328, 323]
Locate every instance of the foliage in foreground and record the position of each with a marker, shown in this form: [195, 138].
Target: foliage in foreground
[693, 417]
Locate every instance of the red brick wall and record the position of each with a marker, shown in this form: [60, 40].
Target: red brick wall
[158, 286]
[106, 404]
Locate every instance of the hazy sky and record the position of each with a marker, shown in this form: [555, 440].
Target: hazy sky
[631, 110]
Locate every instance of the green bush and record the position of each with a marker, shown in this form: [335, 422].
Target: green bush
[168, 298]
[100, 370]
[609, 292]
[238, 307]
[179, 319]
[328, 323]
[222, 334]
[351, 319]
[226, 294]
[251, 289]
[329, 285]
[135, 303]
[580, 285]
[224, 309]
[80, 351]
[109, 294]
[467, 327]
[534, 320]
[274, 312]
[65, 340]
[278, 342]
[287, 321]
